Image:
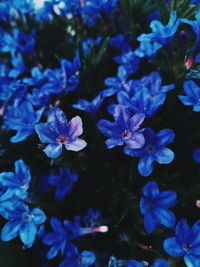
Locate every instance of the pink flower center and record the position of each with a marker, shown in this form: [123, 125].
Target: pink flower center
[62, 139]
[126, 135]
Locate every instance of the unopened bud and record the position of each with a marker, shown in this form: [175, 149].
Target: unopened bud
[198, 204]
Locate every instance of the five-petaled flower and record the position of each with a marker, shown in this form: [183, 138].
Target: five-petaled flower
[57, 132]
[155, 207]
[125, 129]
[153, 150]
[22, 222]
[192, 97]
[185, 243]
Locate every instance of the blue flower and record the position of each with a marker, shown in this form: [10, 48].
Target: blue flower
[22, 119]
[196, 28]
[58, 239]
[24, 7]
[18, 41]
[185, 243]
[196, 155]
[39, 97]
[146, 95]
[158, 263]
[92, 218]
[192, 97]
[89, 106]
[64, 79]
[88, 43]
[18, 182]
[18, 65]
[38, 78]
[57, 132]
[63, 233]
[115, 84]
[93, 9]
[125, 129]
[155, 205]
[161, 35]
[129, 60]
[153, 150]
[77, 259]
[22, 222]
[120, 41]
[113, 262]
[63, 182]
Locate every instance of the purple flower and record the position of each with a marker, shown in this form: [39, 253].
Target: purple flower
[125, 129]
[57, 132]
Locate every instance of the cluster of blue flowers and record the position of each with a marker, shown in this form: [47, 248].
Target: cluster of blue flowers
[104, 74]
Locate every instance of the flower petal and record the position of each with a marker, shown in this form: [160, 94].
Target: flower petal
[165, 137]
[173, 247]
[150, 222]
[45, 133]
[10, 230]
[75, 127]
[166, 199]
[136, 141]
[164, 217]
[53, 151]
[28, 232]
[76, 145]
[151, 190]
[39, 216]
[145, 165]
[164, 155]
[191, 260]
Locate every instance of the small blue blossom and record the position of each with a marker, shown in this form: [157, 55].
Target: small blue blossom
[113, 262]
[92, 218]
[38, 78]
[185, 243]
[63, 182]
[161, 35]
[157, 263]
[18, 65]
[89, 106]
[88, 43]
[125, 129]
[120, 41]
[22, 119]
[57, 132]
[146, 95]
[155, 205]
[91, 10]
[22, 222]
[192, 97]
[153, 150]
[58, 239]
[39, 97]
[77, 259]
[18, 41]
[64, 79]
[196, 155]
[129, 60]
[24, 7]
[18, 182]
[196, 28]
[115, 84]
